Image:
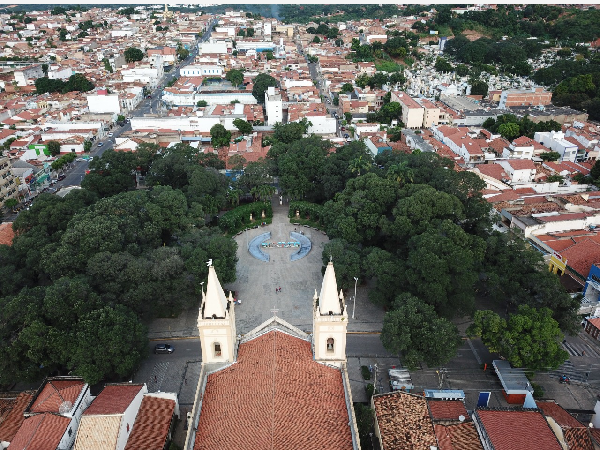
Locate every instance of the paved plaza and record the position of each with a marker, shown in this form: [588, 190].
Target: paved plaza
[257, 280]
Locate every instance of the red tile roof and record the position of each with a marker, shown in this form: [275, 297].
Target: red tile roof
[460, 436]
[54, 393]
[582, 255]
[447, 409]
[562, 417]
[517, 430]
[151, 427]
[114, 399]
[578, 439]
[40, 432]
[274, 396]
[6, 233]
[15, 418]
[404, 421]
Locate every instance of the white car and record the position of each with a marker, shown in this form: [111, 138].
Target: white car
[110, 134]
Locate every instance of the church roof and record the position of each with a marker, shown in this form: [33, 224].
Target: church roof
[274, 396]
[215, 301]
[328, 299]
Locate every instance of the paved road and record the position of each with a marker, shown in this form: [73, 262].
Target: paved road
[76, 173]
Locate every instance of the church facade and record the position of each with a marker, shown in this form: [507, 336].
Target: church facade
[275, 387]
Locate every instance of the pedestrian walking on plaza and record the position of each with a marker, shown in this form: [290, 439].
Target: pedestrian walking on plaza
[276, 290]
[155, 379]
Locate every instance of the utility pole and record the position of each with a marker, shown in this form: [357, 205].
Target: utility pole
[354, 302]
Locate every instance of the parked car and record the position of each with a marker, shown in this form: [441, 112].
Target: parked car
[61, 177]
[163, 348]
[100, 144]
[346, 135]
[110, 134]
[343, 128]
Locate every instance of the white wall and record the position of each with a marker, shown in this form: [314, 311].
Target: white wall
[322, 125]
[61, 74]
[201, 70]
[212, 47]
[104, 104]
[128, 418]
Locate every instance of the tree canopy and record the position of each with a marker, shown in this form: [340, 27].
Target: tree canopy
[530, 338]
[133, 54]
[261, 82]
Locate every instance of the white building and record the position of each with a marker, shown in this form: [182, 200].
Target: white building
[28, 75]
[204, 70]
[103, 103]
[555, 141]
[213, 47]
[273, 106]
[59, 73]
[145, 73]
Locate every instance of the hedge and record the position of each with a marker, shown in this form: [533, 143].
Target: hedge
[236, 220]
[307, 210]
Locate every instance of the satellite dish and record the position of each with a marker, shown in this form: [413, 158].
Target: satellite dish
[461, 418]
[65, 407]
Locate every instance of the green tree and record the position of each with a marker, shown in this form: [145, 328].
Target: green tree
[348, 117]
[243, 126]
[111, 174]
[346, 88]
[442, 65]
[11, 203]
[347, 260]
[414, 330]
[316, 39]
[201, 103]
[290, 132]
[54, 148]
[530, 338]
[235, 76]
[479, 87]
[108, 342]
[133, 54]
[441, 268]
[87, 145]
[509, 130]
[219, 136]
[550, 156]
[261, 83]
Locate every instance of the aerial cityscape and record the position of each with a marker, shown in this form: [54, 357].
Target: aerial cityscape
[299, 226]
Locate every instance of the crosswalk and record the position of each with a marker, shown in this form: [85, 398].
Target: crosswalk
[572, 372]
[158, 375]
[581, 349]
[568, 368]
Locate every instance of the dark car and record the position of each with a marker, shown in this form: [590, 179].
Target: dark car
[163, 348]
[61, 177]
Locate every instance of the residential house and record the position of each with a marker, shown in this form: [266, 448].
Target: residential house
[519, 170]
[592, 327]
[14, 419]
[412, 112]
[504, 430]
[569, 431]
[154, 423]
[107, 423]
[555, 141]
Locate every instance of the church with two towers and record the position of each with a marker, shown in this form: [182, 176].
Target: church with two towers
[276, 387]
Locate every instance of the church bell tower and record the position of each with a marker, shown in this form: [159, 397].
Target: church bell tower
[216, 322]
[330, 320]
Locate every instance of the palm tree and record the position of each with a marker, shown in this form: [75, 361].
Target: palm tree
[359, 164]
[233, 195]
[262, 192]
[400, 173]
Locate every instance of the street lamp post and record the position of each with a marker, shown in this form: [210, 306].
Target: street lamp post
[354, 302]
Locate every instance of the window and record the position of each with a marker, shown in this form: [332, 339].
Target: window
[217, 349]
[330, 343]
